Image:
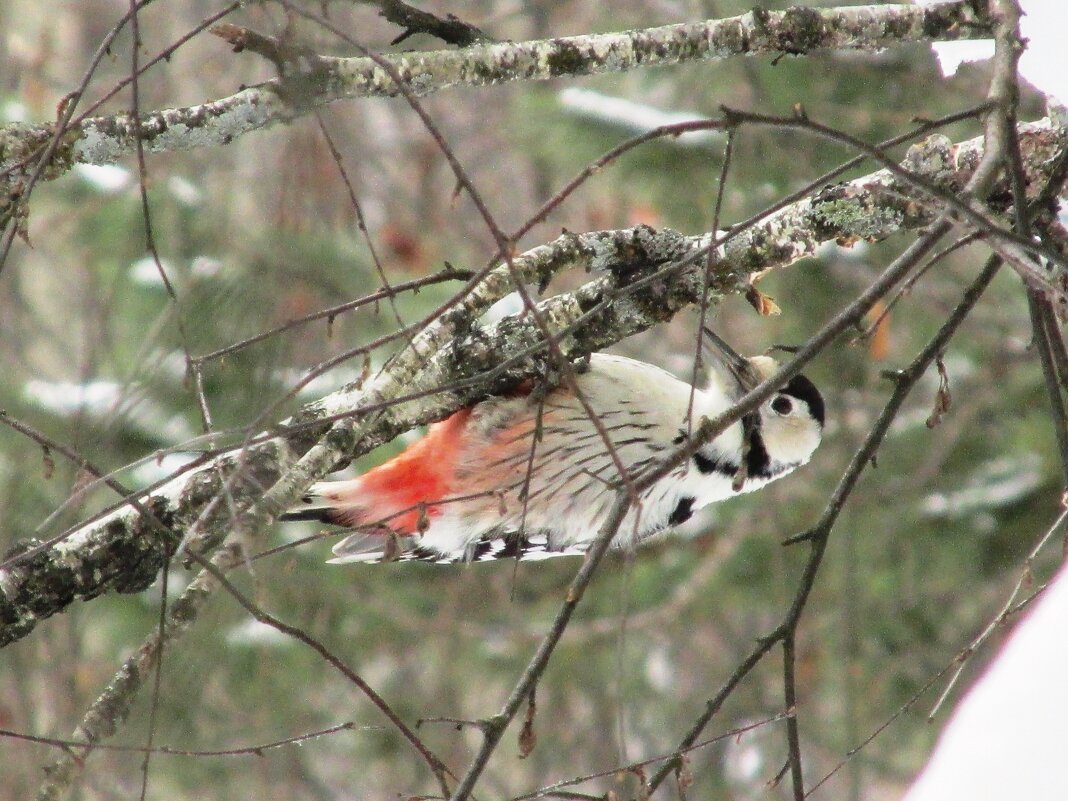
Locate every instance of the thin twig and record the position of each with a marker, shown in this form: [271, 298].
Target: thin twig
[908, 285]
[1043, 328]
[66, 121]
[819, 534]
[1006, 609]
[542, 792]
[437, 767]
[496, 725]
[329, 313]
[49, 444]
[361, 224]
[169, 750]
[706, 278]
[911, 702]
[793, 740]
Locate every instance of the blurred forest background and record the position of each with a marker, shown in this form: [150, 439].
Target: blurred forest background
[264, 230]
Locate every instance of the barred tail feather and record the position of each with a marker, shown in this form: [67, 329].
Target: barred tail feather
[371, 547]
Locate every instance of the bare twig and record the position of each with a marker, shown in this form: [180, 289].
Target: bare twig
[39, 153]
[169, 750]
[911, 702]
[49, 444]
[1014, 248]
[361, 224]
[414, 285]
[549, 790]
[495, 726]
[819, 534]
[1007, 609]
[102, 718]
[793, 739]
[1044, 330]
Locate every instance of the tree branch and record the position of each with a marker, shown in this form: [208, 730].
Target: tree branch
[648, 276]
[310, 81]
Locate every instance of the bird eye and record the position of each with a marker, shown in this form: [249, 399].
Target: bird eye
[782, 405]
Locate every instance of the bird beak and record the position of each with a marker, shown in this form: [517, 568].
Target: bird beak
[741, 369]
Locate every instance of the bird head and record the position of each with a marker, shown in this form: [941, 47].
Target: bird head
[790, 422]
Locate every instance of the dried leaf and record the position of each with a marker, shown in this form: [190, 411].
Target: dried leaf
[765, 305]
[643, 785]
[879, 344]
[403, 244]
[423, 522]
[943, 399]
[527, 738]
[49, 462]
[683, 776]
[63, 104]
[365, 371]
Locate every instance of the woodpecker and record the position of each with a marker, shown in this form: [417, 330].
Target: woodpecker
[528, 475]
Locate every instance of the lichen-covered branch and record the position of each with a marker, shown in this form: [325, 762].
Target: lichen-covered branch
[112, 706]
[309, 80]
[646, 277]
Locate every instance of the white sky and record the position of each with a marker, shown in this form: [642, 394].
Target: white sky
[1045, 62]
[1007, 738]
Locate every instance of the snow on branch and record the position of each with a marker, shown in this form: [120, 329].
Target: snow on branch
[645, 278]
